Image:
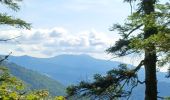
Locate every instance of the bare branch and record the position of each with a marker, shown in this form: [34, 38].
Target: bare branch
[162, 98]
[141, 82]
[6, 57]
[137, 27]
[5, 40]
[139, 66]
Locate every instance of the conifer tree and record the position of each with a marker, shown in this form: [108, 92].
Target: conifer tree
[146, 31]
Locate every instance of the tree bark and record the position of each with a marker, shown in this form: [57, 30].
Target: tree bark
[150, 56]
[150, 76]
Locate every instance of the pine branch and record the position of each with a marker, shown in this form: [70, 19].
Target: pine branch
[5, 40]
[11, 4]
[9, 20]
[139, 66]
[137, 27]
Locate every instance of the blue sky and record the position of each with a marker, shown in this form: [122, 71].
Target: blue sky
[65, 26]
[75, 15]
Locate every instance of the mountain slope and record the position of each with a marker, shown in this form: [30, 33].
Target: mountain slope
[34, 80]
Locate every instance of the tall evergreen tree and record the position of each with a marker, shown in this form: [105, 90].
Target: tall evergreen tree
[146, 31]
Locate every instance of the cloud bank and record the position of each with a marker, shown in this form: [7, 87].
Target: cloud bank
[55, 41]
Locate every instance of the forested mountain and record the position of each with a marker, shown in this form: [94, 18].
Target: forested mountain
[67, 69]
[34, 80]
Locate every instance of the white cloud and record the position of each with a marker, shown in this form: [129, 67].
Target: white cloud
[54, 41]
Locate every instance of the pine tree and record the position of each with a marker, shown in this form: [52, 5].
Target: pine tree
[146, 31]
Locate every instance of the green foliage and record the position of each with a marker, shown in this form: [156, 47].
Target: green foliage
[35, 81]
[6, 19]
[106, 87]
[10, 87]
[37, 95]
[13, 89]
[132, 32]
[135, 40]
[146, 31]
[167, 98]
[9, 20]
[13, 4]
[60, 98]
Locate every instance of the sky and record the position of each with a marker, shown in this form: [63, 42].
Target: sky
[66, 27]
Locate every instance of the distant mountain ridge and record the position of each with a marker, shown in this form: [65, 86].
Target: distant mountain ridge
[71, 68]
[66, 68]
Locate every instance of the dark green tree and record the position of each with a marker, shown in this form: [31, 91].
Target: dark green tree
[146, 31]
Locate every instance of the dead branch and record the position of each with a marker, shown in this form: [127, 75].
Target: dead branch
[6, 57]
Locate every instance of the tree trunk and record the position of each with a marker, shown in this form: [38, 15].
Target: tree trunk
[150, 76]
[150, 56]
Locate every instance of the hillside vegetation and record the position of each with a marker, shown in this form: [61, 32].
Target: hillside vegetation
[34, 80]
